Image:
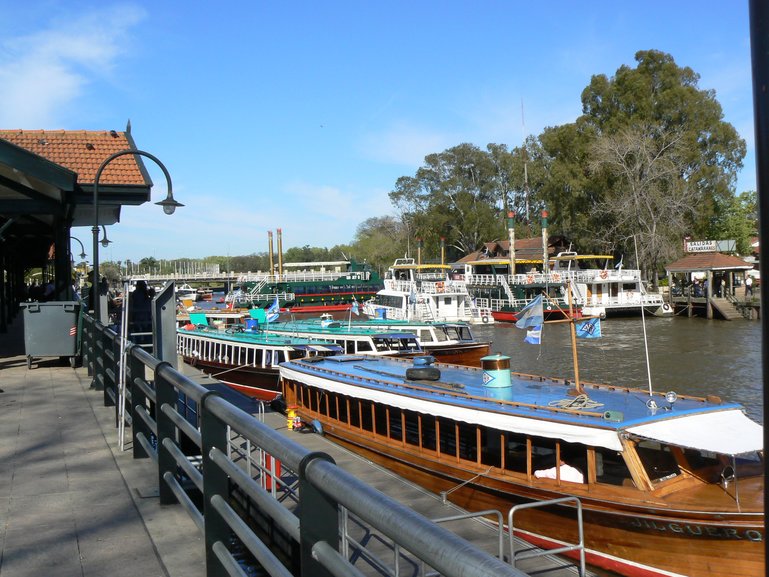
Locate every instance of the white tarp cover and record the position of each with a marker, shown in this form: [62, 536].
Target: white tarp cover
[728, 432]
[533, 426]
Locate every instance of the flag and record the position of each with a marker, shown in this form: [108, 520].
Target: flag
[531, 315]
[273, 312]
[589, 329]
[618, 266]
[354, 308]
[534, 335]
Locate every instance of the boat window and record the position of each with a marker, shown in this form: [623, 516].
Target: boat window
[341, 407]
[364, 346]
[428, 432]
[396, 426]
[366, 416]
[658, 460]
[354, 412]
[448, 436]
[703, 463]
[440, 336]
[491, 447]
[610, 467]
[412, 427]
[515, 452]
[468, 442]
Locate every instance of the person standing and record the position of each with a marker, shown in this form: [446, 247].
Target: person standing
[748, 286]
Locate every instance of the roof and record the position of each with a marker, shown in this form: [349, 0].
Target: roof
[704, 261]
[83, 151]
[525, 249]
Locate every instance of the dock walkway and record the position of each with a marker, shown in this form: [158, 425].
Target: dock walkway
[73, 503]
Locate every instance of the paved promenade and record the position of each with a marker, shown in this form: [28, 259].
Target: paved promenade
[71, 503]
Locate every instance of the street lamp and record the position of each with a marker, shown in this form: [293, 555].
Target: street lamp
[169, 206]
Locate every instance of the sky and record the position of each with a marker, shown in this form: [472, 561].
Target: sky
[302, 115]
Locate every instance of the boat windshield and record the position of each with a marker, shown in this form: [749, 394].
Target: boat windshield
[401, 343]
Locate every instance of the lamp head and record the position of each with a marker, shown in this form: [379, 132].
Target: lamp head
[169, 204]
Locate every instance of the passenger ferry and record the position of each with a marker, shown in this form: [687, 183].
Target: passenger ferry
[669, 485]
[424, 292]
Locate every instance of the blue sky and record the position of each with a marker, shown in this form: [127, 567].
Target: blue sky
[302, 115]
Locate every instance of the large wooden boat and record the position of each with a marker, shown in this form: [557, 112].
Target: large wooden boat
[424, 292]
[353, 339]
[245, 359]
[448, 342]
[669, 485]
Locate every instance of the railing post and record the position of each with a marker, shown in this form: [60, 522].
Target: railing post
[166, 395]
[134, 369]
[213, 433]
[318, 519]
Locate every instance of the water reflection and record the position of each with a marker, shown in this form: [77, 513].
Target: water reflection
[687, 355]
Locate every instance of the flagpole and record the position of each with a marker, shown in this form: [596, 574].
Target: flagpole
[572, 329]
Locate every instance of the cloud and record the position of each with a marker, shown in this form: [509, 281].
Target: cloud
[44, 73]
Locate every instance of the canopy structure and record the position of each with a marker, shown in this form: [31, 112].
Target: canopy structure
[728, 432]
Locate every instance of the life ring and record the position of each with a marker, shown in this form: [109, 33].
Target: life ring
[556, 277]
[530, 279]
[604, 274]
[423, 374]
[439, 287]
[484, 319]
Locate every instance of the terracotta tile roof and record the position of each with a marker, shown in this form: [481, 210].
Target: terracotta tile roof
[699, 261]
[82, 151]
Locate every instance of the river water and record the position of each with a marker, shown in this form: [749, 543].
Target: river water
[691, 356]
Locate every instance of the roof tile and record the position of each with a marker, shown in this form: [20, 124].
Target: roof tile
[82, 151]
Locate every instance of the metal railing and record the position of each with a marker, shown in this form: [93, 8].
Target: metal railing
[281, 520]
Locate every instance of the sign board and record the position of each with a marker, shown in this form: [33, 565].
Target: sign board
[701, 246]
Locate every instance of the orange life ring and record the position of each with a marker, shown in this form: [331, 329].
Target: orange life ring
[604, 274]
[439, 287]
[556, 277]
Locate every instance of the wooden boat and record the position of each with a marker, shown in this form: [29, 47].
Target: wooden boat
[670, 485]
[448, 342]
[245, 359]
[424, 292]
[352, 339]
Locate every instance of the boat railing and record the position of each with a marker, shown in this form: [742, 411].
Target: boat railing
[529, 553]
[190, 444]
[301, 276]
[555, 277]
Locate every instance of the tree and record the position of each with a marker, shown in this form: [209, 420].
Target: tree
[736, 218]
[453, 196]
[647, 200]
[657, 100]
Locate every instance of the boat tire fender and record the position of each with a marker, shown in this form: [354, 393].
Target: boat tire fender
[423, 374]
[484, 319]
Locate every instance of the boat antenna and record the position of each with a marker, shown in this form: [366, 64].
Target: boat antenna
[643, 319]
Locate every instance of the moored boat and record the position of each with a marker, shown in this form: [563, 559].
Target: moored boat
[425, 292]
[668, 485]
[245, 359]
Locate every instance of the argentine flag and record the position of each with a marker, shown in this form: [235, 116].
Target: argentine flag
[532, 317]
[273, 312]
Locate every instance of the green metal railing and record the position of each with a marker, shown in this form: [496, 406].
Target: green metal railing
[283, 524]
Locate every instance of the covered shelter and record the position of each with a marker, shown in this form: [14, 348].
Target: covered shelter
[46, 188]
[699, 278]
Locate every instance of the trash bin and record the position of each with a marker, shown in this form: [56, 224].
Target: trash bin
[50, 330]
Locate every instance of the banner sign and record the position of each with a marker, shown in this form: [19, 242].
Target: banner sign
[701, 246]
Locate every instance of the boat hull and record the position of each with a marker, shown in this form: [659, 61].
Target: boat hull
[255, 382]
[636, 543]
[469, 355]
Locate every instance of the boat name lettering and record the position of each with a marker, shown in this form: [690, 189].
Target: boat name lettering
[699, 530]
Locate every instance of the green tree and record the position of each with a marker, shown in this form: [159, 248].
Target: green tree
[736, 218]
[453, 195]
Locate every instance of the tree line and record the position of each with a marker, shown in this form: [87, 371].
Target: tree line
[648, 162]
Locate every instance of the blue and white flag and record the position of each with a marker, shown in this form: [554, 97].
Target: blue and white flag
[273, 312]
[588, 329]
[531, 315]
[354, 307]
[534, 335]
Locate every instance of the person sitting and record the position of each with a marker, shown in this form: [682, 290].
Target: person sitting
[567, 473]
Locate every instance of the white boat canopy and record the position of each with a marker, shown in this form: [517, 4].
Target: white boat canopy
[728, 432]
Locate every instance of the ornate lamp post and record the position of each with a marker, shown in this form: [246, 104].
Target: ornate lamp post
[169, 206]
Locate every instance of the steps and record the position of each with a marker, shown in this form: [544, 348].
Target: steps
[726, 309]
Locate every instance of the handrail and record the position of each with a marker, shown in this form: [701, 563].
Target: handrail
[310, 530]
